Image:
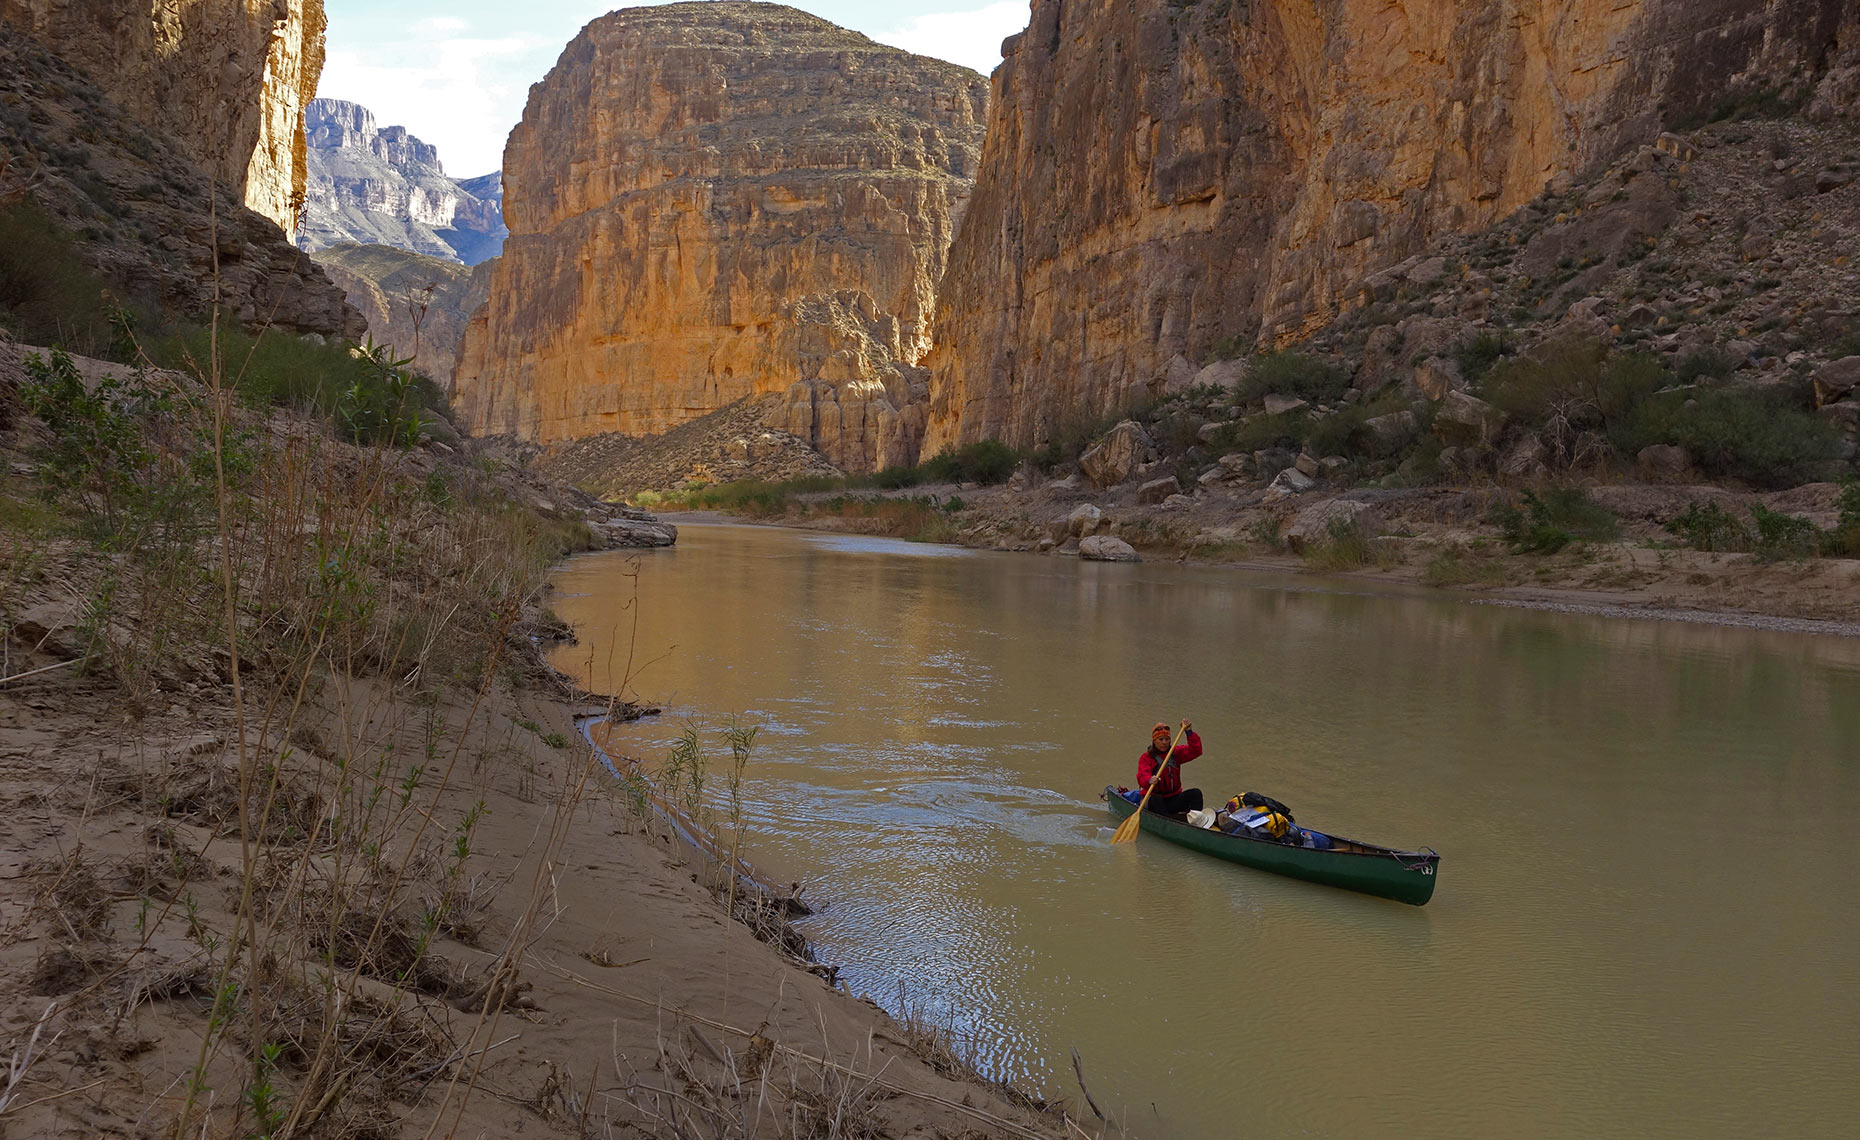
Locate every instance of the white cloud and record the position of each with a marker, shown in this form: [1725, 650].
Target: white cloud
[972, 39]
[459, 94]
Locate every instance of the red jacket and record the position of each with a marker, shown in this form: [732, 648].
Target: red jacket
[1172, 773]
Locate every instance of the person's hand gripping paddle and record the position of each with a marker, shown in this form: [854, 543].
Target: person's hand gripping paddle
[1127, 830]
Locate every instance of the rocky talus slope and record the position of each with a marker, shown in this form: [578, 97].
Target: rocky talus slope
[416, 303]
[144, 213]
[227, 79]
[1163, 176]
[714, 201]
[373, 185]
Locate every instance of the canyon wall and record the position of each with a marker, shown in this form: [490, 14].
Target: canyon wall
[375, 185]
[227, 79]
[1161, 177]
[714, 201]
[141, 212]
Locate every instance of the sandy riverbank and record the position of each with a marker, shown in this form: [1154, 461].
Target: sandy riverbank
[623, 989]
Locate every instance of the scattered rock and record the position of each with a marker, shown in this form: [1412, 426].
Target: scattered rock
[1222, 374]
[1157, 490]
[1438, 375]
[1465, 418]
[1664, 463]
[626, 527]
[1117, 456]
[1290, 481]
[1177, 502]
[1104, 548]
[1179, 377]
[1525, 459]
[1830, 180]
[1083, 520]
[1834, 381]
[1316, 523]
[1392, 432]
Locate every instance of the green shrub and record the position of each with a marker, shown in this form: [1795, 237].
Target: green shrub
[1705, 363]
[987, 461]
[47, 294]
[1477, 355]
[362, 389]
[1295, 374]
[1735, 433]
[1550, 522]
[1709, 527]
[1784, 537]
[1844, 540]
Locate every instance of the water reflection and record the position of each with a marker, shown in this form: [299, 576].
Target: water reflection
[1644, 925]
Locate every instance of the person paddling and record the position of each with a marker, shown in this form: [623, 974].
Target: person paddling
[1159, 764]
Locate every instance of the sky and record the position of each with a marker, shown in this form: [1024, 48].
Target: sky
[457, 74]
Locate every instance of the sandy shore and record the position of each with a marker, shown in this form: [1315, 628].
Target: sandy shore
[630, 987]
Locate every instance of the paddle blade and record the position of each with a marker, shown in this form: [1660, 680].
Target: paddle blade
[1127, 830]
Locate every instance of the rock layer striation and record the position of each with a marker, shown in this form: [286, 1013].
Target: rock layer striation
[227, 79]
[373, 185]
[1161, 177]
[714, 201]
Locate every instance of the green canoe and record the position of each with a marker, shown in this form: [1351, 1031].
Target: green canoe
[1405, 876]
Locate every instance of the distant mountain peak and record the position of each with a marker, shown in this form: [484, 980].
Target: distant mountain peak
[370, 184]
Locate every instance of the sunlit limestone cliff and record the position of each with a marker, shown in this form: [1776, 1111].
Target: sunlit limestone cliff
[715, 201]
[1164, 178]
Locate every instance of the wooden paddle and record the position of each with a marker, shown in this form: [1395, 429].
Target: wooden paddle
[1127, 830]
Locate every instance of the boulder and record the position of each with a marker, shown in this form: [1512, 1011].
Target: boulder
[1290, 481]
[1664, 463]
[1316, 523]
[1834, 381]
[1179, 377]
[1525, 460]
[1393, 431]
[1845, 416]
[1206, 432]
[1177, 502]
[636, 529]
[1156, 490]
[1277, 405]
[1104, 548]
[1117, 456]
[1307, 464]
[1436, 376]
[1465, 418]
[1222, 374]
[1083, 520]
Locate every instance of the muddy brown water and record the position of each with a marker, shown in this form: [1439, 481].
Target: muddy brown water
[1648, 916]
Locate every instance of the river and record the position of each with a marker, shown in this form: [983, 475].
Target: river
[1648, 915]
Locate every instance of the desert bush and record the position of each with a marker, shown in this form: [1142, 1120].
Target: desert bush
[1547, 523]
[1476, 355]
[47, 295]
[1295, 374]
[1759, 438]
[1782, 537]
[1709, 527]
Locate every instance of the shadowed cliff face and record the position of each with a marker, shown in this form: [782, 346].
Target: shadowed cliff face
[710, 201]
[1160, 176]
[227, 79]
